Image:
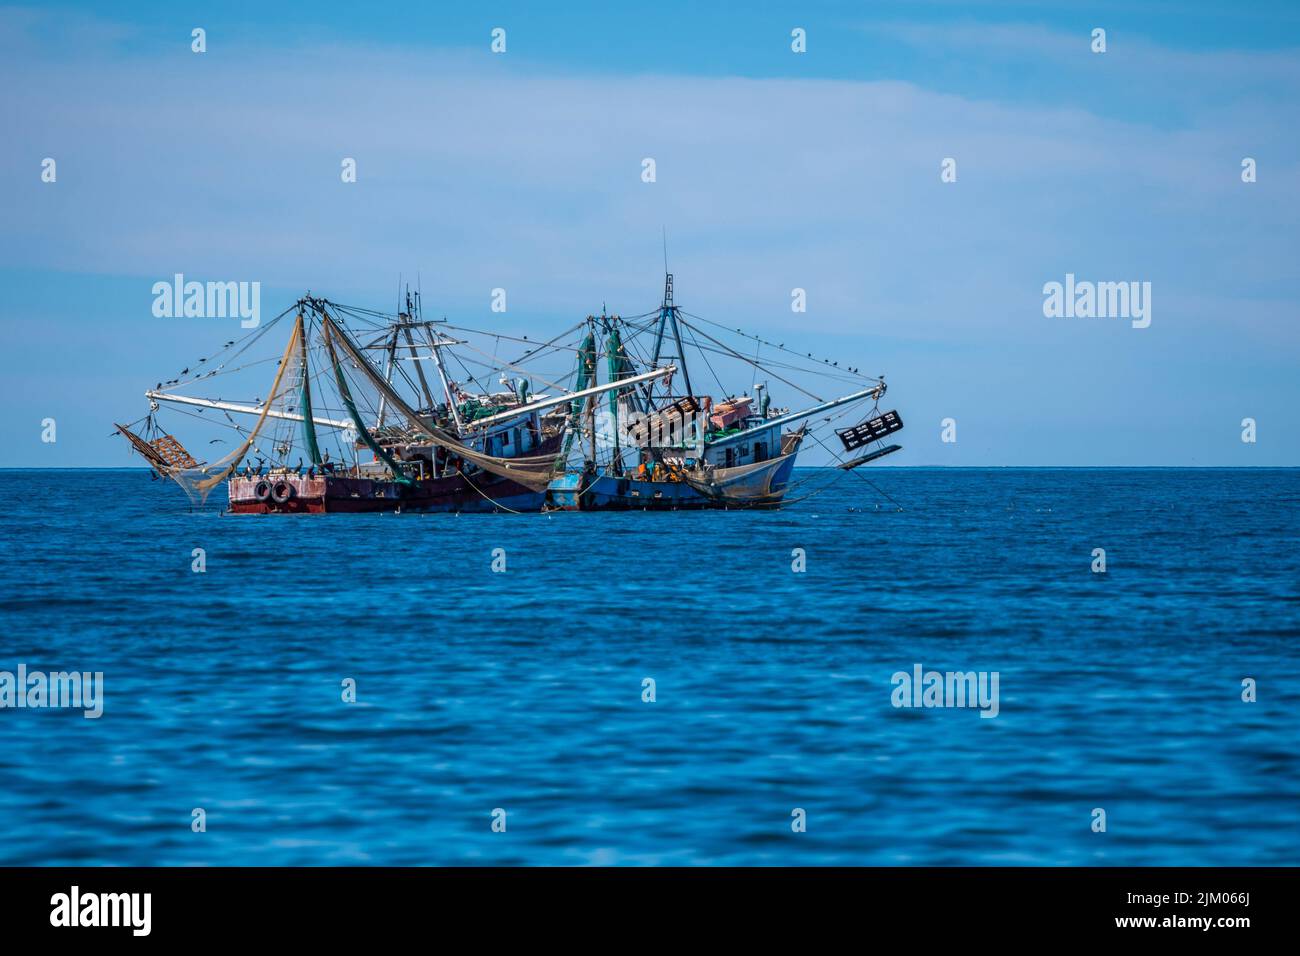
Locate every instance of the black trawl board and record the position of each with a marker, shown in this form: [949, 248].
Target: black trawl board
[870, 430]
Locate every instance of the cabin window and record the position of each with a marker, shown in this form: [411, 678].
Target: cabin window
[505, 439]
[760, 451]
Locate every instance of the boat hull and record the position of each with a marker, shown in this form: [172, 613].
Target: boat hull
[323, 494]
[752, 486]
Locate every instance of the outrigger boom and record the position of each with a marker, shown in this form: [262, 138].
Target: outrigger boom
[874, 392]
[242, 409]
[491, 419]
[583, 393]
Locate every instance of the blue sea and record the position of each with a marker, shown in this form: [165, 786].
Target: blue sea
[522, 690]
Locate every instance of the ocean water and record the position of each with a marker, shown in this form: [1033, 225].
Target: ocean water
[522, 690]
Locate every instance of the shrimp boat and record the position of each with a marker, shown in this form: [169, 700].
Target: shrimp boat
[675, 448]
[400, 442]
[374, 412]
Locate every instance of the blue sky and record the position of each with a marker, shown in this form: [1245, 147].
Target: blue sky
[775, 171]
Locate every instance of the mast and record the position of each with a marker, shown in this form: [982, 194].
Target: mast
[586, 372]
[390, 360]
[404, 319]
[591, 399]
[308, 426]
[614, 359]
[346, 395]
[434, 342]
[668, 318]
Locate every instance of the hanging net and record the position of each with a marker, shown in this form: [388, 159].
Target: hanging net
[532, 471]
[167, 457]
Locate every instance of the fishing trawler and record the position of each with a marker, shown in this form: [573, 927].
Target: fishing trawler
[682, 450]
[472, 448]
[371, 430]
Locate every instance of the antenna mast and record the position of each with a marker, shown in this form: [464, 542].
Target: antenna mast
[668, 317]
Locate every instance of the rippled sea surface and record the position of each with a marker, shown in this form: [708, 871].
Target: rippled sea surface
[522, 690]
